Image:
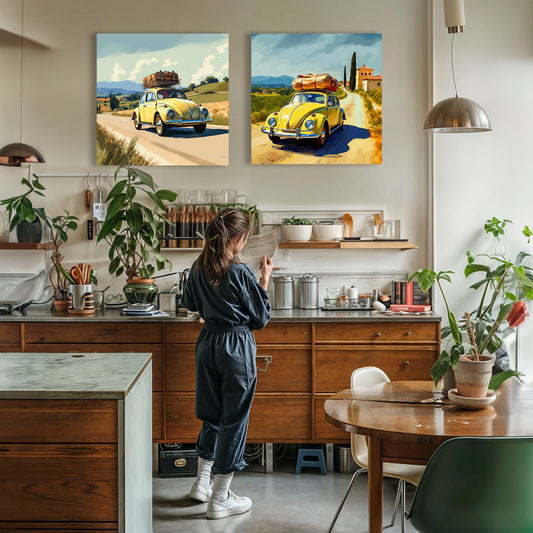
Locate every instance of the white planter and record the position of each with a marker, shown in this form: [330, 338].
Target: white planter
[296, 232]
[472, 377]
[328, 232]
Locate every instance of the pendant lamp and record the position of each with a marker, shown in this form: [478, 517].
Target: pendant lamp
[456, 114]
[14, 154]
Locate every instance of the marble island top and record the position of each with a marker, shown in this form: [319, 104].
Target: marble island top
[42, 313]
[88, 376]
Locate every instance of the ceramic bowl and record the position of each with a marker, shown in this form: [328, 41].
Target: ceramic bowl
[327, 232]
[471, 403]
[296, 232]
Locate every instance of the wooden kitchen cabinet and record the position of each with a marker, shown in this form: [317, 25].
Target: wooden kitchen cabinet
[9, 337]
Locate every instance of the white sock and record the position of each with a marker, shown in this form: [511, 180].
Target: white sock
[204, 471]
[221, 486]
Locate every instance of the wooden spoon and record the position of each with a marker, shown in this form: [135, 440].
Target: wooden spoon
[348, 220]
[378, 222]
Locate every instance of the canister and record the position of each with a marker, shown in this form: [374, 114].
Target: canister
[80, 299]
[308, 292]
[284, 292]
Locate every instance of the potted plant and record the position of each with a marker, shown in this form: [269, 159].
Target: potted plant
[473, 339]
[60, 225]
[133, 229]
[296, 229]
[23, 216]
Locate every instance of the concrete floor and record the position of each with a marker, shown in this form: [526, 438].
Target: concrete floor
[283, 502]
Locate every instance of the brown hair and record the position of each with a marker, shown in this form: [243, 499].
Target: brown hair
[215, 257]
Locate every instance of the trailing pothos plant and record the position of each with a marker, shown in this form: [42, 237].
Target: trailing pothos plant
[131, 228]
[504, 286]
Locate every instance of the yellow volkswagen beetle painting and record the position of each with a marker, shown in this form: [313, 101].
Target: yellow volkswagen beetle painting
[313, 107]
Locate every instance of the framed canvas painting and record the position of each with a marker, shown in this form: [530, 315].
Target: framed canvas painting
[316, 98]
[162, 99]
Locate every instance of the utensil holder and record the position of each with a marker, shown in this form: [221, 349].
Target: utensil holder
[80, 299]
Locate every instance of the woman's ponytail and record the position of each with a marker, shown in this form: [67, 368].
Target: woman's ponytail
[216, 257]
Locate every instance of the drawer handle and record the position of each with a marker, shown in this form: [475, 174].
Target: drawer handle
[267, 359]
[406, 363]
[409, 333]
[378, 334]
[107, 331]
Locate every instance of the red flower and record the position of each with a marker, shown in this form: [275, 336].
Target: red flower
[517, 314]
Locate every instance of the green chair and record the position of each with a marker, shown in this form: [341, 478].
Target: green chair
[473, 484]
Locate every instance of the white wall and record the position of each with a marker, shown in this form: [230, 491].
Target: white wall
[486, 174]
[59, 118]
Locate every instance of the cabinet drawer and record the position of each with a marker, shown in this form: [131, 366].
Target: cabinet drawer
[284, 333]
[155, 349]
[323, 429]
[87, 490]
[182, 424]
[370, 332]
[9, 334]
[157, 417]
[289, 371]
[109, 332]
[335, 364]
[52, 421]
[183, 333]
[280, 418]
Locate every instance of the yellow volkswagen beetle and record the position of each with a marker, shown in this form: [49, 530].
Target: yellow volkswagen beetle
[309, 115]
[166, 107]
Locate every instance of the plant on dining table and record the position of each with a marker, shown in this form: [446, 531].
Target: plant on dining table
[503, 288]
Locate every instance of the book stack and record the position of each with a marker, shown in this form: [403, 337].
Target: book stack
[408, 296]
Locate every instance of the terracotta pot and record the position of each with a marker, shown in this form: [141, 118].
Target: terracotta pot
[473, 377]
[60, 305]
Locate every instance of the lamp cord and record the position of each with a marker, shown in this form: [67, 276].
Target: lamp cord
[453, 68]
[21, 65]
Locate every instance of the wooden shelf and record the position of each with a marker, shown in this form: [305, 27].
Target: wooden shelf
[347, 245]
[26, 245]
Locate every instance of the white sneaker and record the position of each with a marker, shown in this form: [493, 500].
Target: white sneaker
[200, 492]
[232, 505]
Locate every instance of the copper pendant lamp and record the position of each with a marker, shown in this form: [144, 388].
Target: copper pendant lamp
[456, 114]
[14, 154]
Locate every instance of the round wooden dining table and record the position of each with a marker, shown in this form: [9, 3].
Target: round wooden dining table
[406, 421]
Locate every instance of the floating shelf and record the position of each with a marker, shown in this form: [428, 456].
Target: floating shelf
[347, 245]
[26, 245]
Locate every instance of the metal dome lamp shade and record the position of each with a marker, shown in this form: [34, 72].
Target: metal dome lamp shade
[456, 114]
[14, 154]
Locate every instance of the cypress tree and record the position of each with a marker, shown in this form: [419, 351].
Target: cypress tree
[353, 73]
[344, 76]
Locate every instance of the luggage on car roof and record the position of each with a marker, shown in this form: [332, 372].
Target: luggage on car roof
[163, 78]
[315, 82]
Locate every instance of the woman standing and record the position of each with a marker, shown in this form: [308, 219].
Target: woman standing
[232, 303]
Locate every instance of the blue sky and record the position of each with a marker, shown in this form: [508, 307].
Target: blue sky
[278, 54]
[126, 56]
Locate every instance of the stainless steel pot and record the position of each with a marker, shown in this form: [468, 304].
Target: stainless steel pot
[308, 292]
[283, 292]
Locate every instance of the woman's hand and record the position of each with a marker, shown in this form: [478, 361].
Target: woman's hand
[266, 270]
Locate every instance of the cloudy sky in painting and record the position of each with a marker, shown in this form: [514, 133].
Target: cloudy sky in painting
[123, 56]
[278, 54]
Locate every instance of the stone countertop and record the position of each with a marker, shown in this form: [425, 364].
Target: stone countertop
[43, 313]
[88, 376]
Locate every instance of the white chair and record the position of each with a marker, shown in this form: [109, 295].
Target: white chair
[362, 377]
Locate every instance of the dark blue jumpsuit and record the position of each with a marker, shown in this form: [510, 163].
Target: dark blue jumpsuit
[225, 360]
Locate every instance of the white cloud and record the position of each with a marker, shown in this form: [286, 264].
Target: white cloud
[223, 71]
[140, 63]
[118, 71]
[205, 70]
[169, 63]
[222, 48]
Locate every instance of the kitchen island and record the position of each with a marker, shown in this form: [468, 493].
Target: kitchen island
[303, 356]
[75, 442]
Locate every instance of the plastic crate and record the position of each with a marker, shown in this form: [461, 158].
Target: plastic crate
[177, 461]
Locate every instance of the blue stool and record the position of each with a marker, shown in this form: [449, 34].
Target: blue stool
[311, 457]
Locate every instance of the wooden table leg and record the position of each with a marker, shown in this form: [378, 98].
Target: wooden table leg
[375, 486]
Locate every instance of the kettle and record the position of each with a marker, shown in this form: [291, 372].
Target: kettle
[308, 292]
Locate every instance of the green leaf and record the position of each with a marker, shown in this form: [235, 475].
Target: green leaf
[117, 189]
[144, 178]
[114, 264]
[134, 218]
[425, 277]
[116, 205]
[471, 268]
[156, 200]
[497, 380]
[440, 366]
[72, 225]
[479, 284]
[38, 185]
[470, 257]
[164, 194]
[456, 334]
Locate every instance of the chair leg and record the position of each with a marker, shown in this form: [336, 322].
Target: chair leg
[354, 477]
[402, 481]
[399, 493]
